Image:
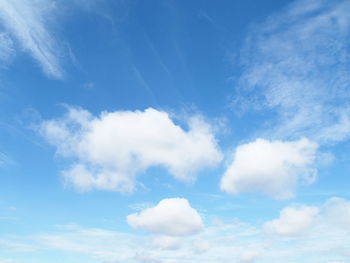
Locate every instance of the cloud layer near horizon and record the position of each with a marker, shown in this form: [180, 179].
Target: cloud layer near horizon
[301, 233]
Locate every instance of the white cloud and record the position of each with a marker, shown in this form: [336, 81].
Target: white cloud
[171, 217]
[292, 221]
[249, 256]
[201, 246]
[296, 63]
[27, 21]
[331, 219]
[324, 241]
[167, 242]
[5, 160]
[147, 258]
[270, 167]
[7, 50]
[337, 212]
[110, 150]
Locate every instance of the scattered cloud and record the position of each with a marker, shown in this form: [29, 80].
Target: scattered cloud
[337, 212]
[5, 160]
[27, 22]
[167, 242]
[331, 218]
[89, 85]
[201, 246]
[249, 256]
[322, 240]
[171, 217]
[296, 63]
[108, 151]
[270, 167]
[7, 50]
[292, 221]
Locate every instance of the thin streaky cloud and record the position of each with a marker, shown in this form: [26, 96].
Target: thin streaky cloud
[27, 22]
[145, 85]
[5, 160]
[157, 55]
[296, 64]
[7, 50]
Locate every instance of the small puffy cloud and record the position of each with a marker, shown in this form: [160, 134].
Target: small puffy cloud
[170, 217]
[108, 151]
[270, 167]
[292, 221]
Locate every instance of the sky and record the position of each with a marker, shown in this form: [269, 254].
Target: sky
[171, 131]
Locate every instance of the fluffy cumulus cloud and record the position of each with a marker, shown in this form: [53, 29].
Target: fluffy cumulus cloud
[296, 63]
[108, 151]
[27, 22]
[292, 221]
[170, 217]
[270, 167]
[332, 217]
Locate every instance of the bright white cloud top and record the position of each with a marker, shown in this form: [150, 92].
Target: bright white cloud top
[271, 167]
[170, 217]
[110, 150]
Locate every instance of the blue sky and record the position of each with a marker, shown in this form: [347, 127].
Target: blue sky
[172, 131]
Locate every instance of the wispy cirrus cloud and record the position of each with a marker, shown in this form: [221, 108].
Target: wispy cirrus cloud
[27, 22]
[5, 160]
[296, 63]
[7, 50]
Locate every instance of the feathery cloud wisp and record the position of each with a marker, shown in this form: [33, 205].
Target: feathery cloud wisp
[27, 22]
[296, 63]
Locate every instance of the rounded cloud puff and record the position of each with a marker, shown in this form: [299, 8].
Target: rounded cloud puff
[270, 167]
[170, 217]
[292, 221]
